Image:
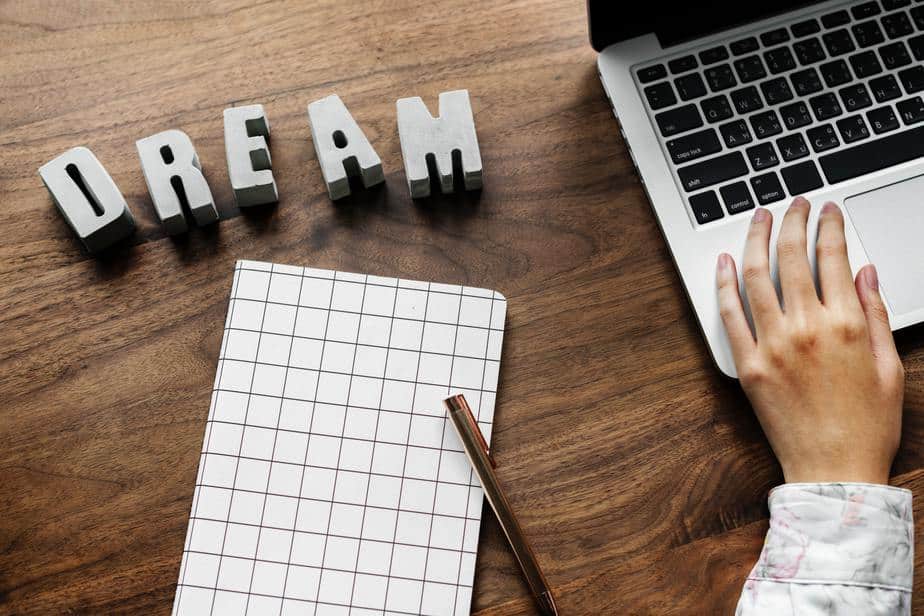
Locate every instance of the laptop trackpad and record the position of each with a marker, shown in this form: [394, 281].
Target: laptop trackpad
[890, 223]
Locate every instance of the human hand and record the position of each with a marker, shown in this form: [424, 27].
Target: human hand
[822, 375]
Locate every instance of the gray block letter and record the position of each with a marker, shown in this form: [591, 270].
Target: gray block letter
[89, 200]
[170, 164]
[422, 136]
[342, 147]
[249, 163]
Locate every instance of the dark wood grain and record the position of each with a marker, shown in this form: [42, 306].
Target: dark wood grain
[638, 471]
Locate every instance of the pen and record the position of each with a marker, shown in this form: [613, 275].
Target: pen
[476, 450]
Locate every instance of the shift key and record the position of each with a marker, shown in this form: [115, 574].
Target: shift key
[712, 171]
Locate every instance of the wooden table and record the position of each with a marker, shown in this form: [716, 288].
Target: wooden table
[640, 473]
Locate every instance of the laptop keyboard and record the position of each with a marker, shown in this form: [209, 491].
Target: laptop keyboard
[791, 110]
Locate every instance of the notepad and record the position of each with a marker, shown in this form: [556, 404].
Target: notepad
[330, 481]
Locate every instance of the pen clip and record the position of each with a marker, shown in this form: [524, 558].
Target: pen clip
[458, 401]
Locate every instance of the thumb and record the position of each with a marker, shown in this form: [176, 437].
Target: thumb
[877, 317]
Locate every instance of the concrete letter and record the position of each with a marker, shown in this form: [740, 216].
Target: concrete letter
[249, 163]
[422, 136]
[170, 163]
[87, 198]
[342, 148]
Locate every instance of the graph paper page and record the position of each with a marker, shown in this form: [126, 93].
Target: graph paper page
[330, 481]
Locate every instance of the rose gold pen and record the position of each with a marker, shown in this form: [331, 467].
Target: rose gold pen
[476, 449]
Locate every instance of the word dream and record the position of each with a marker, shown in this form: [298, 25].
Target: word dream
[94, 207]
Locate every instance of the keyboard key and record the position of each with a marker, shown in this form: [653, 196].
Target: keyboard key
[682, 65]
[766, 124]
[690, 86]
[720, 77]
[867, 33]
[678, 120]
[744, 46]
[693, 146]
[835, 19]
[713, 171]
[882, 120]
[897, 25]
[706, 207]
[874, 155]
[891, 5]
[713, 55]
[652, 73]
[885, 88]
[894, 55]
[737, 198]
[805, 28]
[774, 37]
[660, 95]
[746, 100]
[867, 9]
[917, 14]
[801, 178]
[865, 64]
[792, 147]
[855, 97]
[716, 108]
[911, 110]
[912, 79]
[835, 73]
[917, 46]
[795, 115]
[779, 60]
[776, 91]
[762, 156]
[750, 69]
[852, 128]
[823, 138]
[825, 106]
[838, 42]
[767, 188]
[806, 81]
[809, 51]
[735, 133]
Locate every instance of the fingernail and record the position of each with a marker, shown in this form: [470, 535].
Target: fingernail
[799, 202]
[760, 215]
[723, 267]
[829, 208]
[871, 277]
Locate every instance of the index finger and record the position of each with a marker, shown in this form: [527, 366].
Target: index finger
[765, 305]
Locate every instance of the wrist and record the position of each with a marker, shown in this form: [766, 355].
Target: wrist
[841, 474]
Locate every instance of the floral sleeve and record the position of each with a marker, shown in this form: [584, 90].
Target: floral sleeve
[834, 548]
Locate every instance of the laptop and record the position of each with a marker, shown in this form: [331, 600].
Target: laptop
[730, 106]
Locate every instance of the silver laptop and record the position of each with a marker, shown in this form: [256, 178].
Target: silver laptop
[730, 106]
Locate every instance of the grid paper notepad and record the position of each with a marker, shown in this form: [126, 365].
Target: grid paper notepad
[330, 481]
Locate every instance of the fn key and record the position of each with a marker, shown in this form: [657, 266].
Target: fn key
[706, 207]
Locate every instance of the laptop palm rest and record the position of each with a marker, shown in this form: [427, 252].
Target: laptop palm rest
[890, 223]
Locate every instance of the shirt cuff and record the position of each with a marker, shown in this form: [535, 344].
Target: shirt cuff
[839, 533]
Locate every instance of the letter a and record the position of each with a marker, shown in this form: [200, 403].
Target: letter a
[342, 148]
